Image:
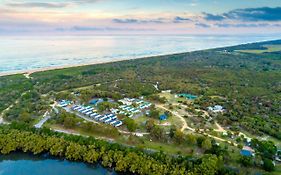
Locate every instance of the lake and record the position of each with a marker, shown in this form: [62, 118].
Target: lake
[27, 164]
[20, 53]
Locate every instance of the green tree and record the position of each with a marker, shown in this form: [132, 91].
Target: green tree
[179, 136]
[268, 165]
[207, 144]
[131, 124]
[246, 161]
[191, 139]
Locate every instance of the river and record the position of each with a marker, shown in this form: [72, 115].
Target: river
[28, 164]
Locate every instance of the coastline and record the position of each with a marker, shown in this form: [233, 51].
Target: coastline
[31, 71]
[28, 72]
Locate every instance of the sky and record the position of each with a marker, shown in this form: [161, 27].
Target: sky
[87, 17]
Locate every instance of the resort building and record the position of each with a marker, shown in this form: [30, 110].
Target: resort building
[187, 96]
[215, 109]
[247, 151]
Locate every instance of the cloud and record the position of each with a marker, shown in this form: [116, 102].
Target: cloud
[179, 19]
[211, 17]
[86, 1]
[176, 19]
[137, 21]
[38, 4]
[243, 25]
[203, 25]
[92, 28]
[255, 14]
[248, 15]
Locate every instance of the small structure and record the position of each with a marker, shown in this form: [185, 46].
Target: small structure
[64, 103]
[96, 101]
[163, 117]
[247, 151]
[126, 101]
[166, 91]
[216, 108]
[187, 96]
[278, 155]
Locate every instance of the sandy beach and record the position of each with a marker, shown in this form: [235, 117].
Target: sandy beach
[27, 73]
[31, 71]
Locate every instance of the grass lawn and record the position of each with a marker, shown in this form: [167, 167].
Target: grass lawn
[169, 148]
[270, 48]
[123, 139]
[173, 120]
[171, 97]
[276, 141]
[277, 170]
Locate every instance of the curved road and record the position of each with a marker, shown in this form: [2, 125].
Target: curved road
[185, 126]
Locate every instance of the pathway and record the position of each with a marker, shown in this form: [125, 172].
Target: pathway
[27, 75]
[219, 128]
[185, 126]
[8, 108]
[81, 116]
[46, 117]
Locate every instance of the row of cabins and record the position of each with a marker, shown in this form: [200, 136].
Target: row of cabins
[128, 109]
[91, 112]
[130, 101]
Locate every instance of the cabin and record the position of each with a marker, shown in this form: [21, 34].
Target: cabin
[95, 101]
[126, 101]
[216, 108]
[64, 103]
[187, 96]
[163, 117]
[247, 151]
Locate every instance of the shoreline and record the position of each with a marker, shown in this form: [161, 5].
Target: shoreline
[43, 69]
[28, 72]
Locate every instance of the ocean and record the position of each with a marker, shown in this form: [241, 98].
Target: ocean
[22, 53]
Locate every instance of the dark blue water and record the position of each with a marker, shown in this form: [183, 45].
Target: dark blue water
[27, 164]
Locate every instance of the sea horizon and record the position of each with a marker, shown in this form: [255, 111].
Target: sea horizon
[21, 54]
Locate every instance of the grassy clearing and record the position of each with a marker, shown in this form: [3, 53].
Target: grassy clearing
[169, 148]
[171, 97]
[138, 142]
[270, 48]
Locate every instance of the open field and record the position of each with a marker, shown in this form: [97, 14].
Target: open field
[269, 48]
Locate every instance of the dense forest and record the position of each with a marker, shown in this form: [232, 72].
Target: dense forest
[19, 137]
[249, 83]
